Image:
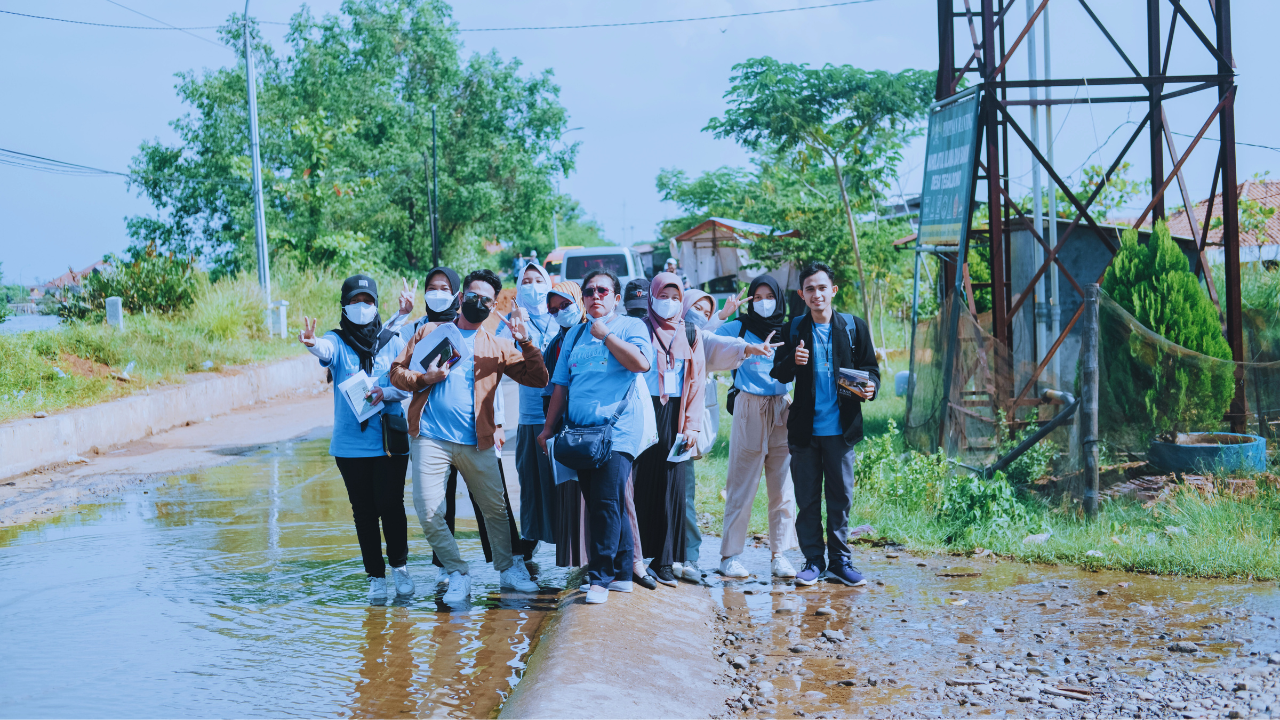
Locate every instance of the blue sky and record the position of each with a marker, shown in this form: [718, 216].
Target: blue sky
[640, 94]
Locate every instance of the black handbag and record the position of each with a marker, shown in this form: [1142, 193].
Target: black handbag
[732, 395]
[587, 448]
[395, 435]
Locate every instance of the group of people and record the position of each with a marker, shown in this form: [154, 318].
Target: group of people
[629, 369]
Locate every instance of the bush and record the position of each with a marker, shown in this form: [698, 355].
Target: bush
[147, 281]
[1155, 385]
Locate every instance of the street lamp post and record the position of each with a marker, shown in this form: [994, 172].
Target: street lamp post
[259, 212]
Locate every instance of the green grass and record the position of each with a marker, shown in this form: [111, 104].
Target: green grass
[900, 498]
[223, 327]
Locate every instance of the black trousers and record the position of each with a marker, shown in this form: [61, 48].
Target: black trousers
[611, 540]
[375, 487]
[661, 491]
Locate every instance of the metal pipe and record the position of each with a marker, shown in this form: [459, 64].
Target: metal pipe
[1052, 277]
[259, 212]
[1089, 391]
[435, 196]
[1040, 310]
[1059, 419]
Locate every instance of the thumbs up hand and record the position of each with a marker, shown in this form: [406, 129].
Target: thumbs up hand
[802, 354]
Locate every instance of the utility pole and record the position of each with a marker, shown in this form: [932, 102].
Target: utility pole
[435, 196]
[259, 213]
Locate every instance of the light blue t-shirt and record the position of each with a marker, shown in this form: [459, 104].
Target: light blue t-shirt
[826, 411]
[675, 384]
[597, 382]
[753, 375]
[542, 330]
[450, 413]
[348, 440]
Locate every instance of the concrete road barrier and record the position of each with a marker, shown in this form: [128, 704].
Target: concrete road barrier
[645, 654]
[26, 445]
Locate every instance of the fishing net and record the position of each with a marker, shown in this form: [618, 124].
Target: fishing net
[1149, 388]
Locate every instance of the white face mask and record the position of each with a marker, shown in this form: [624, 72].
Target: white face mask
[667, 309]
[533, 297]
[360, 313]
[438, 300]
[764, 308]
[569, 316]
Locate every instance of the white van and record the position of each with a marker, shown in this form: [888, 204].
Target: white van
[621, 261]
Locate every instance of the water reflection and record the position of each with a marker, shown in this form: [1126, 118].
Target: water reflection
[239, 591]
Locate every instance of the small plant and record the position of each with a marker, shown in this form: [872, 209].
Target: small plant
[1151, 383]
[972, 501]
[145, 281]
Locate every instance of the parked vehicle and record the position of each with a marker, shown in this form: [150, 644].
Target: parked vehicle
[621, 261]
[554, 260]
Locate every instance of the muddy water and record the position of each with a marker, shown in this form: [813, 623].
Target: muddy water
[239, 591]
[911, 629]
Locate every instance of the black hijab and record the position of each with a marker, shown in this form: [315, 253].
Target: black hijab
[756, 325]
[451, 312]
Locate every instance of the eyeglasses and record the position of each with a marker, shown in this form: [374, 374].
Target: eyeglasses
[483, 301]
[595, 290]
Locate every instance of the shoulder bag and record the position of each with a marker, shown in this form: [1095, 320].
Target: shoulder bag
[586, 448]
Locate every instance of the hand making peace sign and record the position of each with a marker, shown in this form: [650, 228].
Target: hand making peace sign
[731, 305]
[518, 331]
[308, 335]
[765, 348]
[407, 295]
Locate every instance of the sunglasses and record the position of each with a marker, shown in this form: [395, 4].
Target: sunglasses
[483, 301]
[595, 290]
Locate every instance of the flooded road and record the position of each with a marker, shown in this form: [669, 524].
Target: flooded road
[953, 636]
[239, 591]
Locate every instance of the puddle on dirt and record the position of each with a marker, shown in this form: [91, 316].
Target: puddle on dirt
[238, 591]
[908, 632]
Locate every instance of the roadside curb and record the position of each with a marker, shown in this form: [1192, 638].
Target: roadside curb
[641, 655]
[27, 445]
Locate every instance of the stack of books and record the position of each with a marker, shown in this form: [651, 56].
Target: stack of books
[850, 379]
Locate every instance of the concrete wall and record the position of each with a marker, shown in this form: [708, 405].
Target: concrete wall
[29, 444]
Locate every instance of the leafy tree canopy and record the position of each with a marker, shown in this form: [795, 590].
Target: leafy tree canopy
[345, 128]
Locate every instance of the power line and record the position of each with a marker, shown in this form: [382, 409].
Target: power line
[489, 29]
[107, 25]
[1206, 137]
[14, 158]
[175, 27]
[666, 22]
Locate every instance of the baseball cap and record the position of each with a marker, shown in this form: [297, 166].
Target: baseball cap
[636, 296]
[357, 284]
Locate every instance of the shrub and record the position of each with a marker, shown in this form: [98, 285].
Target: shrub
[146, 281]
[1153, 384]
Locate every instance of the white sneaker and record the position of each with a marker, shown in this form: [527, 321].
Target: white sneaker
[597, 595]
[512, 579]
[519, 567]
[459, 589]
[404, 583]
[783, 568]
[731, 568]
[377, 590]
[689, 573]
[621, 586]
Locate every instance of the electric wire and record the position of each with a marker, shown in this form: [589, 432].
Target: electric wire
[175, 27]
[1252, 145]
[637, 23]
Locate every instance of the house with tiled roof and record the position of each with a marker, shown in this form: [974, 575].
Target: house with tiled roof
[1255, 246]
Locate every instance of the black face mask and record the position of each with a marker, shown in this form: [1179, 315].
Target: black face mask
[476, 308]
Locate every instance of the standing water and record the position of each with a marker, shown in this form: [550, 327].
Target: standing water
[239, 591]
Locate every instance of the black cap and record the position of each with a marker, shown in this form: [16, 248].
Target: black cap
[636, 296]
[357, 284]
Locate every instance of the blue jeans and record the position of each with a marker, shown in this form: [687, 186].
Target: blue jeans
[611, 542]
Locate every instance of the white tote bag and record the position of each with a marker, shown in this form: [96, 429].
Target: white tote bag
[649, 428]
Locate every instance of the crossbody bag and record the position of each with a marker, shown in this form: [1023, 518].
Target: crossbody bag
[586, 448]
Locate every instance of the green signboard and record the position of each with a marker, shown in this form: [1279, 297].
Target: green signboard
[948, 170]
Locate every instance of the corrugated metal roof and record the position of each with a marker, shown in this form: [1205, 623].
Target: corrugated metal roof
[733, 225]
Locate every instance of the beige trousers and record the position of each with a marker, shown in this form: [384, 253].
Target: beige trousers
[430, 460]
[758, 440]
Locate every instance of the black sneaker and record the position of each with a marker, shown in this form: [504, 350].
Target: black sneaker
[845, 574]
[645, 581]
[663, 575]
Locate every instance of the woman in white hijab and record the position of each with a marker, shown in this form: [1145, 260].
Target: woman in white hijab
[538, 505]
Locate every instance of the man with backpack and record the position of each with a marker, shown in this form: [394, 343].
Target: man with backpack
[825, 421]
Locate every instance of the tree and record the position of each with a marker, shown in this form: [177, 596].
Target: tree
[345, 127]
[833, 113]
[1154, 382]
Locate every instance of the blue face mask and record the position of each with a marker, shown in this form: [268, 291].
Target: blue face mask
[533, 297]
[569, 316]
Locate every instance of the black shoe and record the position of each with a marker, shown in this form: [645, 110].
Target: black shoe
[663, 575]
[645, 581]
